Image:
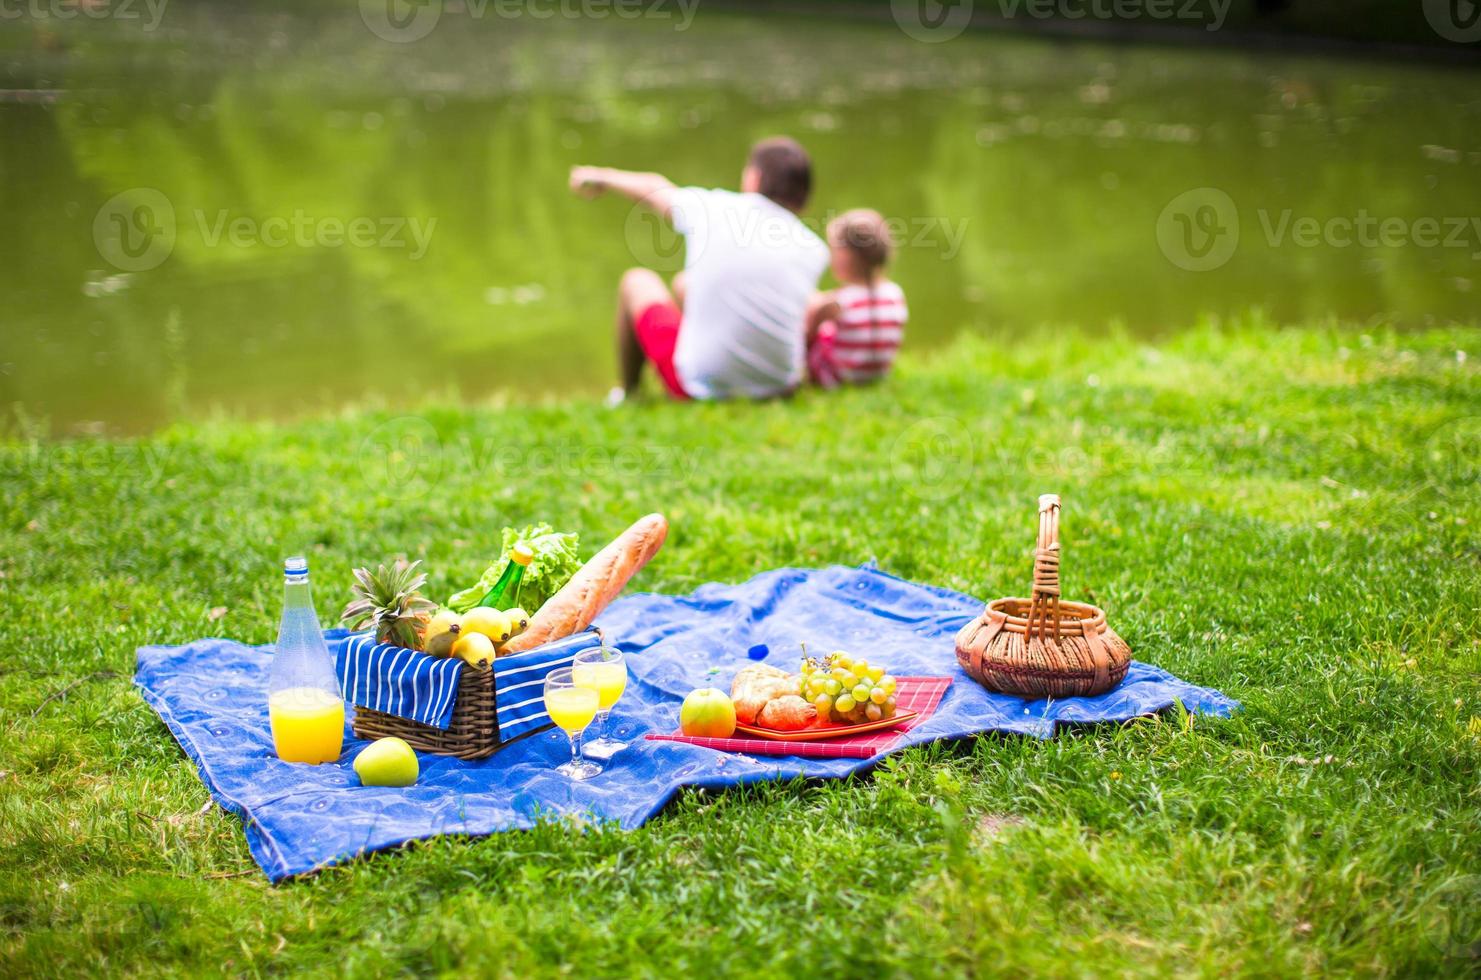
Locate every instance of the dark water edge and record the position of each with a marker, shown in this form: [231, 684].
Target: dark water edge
[1431, 31]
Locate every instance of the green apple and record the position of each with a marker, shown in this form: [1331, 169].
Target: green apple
[387, 762]
[707, 712]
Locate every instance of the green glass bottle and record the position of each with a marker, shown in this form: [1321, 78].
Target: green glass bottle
[505, 593]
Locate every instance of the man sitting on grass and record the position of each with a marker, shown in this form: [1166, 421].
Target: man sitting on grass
[733, 324]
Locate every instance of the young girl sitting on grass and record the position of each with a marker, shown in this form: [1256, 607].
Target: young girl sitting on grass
[854, 331]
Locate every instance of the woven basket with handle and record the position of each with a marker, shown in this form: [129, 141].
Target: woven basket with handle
[1043, 646]
[473, 733]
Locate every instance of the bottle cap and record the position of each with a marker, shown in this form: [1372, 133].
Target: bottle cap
[296, 567]
[521, 554]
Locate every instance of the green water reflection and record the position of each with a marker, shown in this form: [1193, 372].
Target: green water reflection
[310, 215]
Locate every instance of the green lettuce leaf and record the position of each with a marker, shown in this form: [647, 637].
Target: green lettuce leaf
[556, 560]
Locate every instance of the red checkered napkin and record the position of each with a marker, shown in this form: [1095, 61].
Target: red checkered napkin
[919, 694]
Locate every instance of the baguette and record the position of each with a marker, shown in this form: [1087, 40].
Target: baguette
[594, 585]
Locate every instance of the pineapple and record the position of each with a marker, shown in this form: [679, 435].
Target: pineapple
[388, 600]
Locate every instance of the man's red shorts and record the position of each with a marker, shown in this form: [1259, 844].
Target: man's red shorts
[657, 330]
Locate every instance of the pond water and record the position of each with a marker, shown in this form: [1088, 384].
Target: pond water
[270, 214]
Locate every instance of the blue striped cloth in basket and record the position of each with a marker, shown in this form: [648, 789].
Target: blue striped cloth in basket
[412, 685]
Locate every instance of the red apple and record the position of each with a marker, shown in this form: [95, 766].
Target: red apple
[707, 712]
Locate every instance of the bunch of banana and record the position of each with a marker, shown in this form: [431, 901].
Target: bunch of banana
[475, 636]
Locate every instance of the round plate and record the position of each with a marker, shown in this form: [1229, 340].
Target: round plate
[819, 732]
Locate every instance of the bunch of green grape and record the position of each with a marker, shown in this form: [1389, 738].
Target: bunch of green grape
[847, 691]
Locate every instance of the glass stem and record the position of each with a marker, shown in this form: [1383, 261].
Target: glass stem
[602, 717]
[576, 749]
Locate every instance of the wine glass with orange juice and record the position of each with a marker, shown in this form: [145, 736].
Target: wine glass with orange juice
[572, 707]
[604, 671]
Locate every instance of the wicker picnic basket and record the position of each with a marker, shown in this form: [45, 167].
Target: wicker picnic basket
[473, 733]
[1042, 646]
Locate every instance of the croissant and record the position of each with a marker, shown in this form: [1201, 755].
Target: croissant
[754, 686]
[768, 697]
[788, 713]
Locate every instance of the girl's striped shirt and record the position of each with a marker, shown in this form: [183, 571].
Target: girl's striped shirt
[870, 325]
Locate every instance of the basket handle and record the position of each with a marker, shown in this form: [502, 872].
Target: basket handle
[1044, 607]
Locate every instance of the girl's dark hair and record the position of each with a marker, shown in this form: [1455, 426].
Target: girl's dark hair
[785, 171]
[866, 234]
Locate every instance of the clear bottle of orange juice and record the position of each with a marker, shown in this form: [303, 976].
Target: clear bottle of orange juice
[304, 706]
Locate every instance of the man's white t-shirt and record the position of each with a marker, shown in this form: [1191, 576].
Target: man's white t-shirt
[750, 266]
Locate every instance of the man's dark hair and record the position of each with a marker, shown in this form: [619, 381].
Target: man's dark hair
[785, 171]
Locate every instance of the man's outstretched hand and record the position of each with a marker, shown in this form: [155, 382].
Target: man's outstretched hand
[653, 191]
[587, 181]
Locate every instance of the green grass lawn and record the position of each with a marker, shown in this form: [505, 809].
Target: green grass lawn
[1291, 516]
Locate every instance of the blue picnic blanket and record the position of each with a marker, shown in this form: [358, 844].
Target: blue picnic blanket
[212, 695]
